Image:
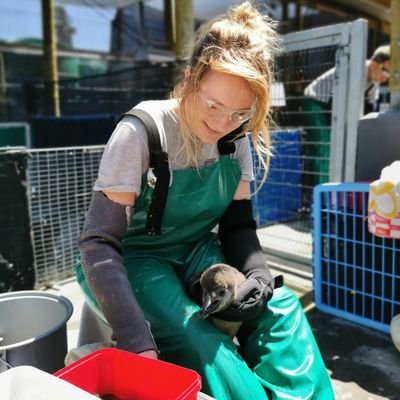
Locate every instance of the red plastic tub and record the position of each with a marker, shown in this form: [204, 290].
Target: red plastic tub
[124, 375]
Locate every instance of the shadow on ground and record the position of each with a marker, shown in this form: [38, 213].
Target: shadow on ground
[363, 360]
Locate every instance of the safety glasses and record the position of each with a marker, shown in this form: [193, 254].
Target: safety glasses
[219, 111]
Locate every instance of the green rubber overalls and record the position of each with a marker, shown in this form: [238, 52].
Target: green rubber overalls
[278, 358]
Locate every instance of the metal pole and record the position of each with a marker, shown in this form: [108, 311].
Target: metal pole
[3, 90]
[284, 16]
[50, 57]
[184, 28]
[170, 24]
[394, 82]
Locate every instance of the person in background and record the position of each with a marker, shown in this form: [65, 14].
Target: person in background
[377, 73]
[317, 104]
[141, 283]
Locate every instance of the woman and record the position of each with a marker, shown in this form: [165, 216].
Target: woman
[223, 95]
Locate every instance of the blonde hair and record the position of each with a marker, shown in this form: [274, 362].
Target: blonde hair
[243, 43]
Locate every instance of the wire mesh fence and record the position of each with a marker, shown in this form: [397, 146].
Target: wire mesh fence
[60, 183]
[301, 154]
[113, 92]
[311, 117]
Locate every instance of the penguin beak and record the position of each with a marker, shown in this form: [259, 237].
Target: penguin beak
[209, 306]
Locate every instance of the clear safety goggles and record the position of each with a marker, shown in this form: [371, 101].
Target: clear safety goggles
[219, 111]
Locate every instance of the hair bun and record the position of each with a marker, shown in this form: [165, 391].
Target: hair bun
[244, 13]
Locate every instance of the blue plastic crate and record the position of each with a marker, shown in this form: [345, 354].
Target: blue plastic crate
[279, 199]
[356, 274]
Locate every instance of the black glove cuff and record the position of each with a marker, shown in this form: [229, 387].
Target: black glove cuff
[239, 240]
[238, 214]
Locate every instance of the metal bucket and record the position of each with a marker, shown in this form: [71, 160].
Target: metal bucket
[33, 329]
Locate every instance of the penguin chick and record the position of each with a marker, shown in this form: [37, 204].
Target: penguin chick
[219, 285]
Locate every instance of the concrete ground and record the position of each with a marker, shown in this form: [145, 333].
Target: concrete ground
[362, 362]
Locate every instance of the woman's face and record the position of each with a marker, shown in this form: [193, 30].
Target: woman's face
[378, 72]
[222, 103]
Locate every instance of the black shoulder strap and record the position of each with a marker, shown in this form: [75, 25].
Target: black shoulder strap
[159, 162]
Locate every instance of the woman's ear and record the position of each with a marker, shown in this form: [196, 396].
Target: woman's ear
[187, 72]
[187, 76]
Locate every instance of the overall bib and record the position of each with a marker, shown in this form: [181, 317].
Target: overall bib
[278, 356]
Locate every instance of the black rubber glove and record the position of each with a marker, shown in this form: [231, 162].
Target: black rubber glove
[103, 266]
[242, 249]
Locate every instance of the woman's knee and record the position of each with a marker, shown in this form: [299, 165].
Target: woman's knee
[284, 300]
[92, 329]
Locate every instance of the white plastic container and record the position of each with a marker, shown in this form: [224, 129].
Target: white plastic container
[395, 331]
[30, 383]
